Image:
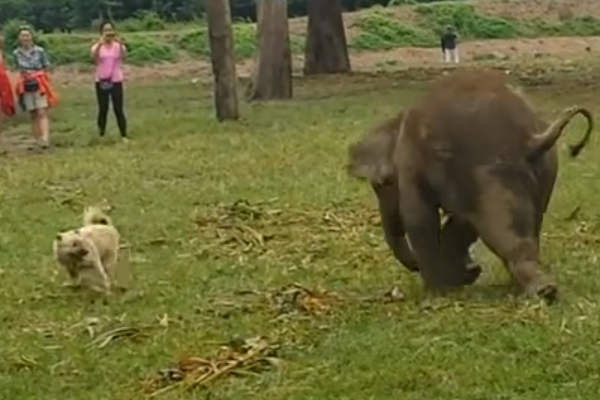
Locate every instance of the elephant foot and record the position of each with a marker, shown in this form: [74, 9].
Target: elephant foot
[472, 273]
[412, 267]
[549, 293]
[545, 289]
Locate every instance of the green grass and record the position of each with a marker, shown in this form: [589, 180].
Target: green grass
[176, 182]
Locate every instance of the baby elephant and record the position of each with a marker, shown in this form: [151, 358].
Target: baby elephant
[475, 148]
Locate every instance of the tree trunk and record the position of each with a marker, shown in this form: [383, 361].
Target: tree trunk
[223, 61]
[272, 75]
[326, 49]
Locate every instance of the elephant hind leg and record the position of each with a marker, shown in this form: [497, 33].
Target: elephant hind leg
[456, 239]
[508, 228]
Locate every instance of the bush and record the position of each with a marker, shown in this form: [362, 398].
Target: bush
[196, 41]
[68, 49]
[467, 21]
[576, 26]
[143, 50]
[75, 49]
[382, 32]
[581, 26]
[143, 21]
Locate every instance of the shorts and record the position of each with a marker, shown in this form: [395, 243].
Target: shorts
[34, 101]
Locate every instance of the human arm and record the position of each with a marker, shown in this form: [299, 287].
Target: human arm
[121, 42]
[16, 60]
[44, 60]
[95, 50]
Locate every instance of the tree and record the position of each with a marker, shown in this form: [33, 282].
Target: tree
[272, 76]
[326, 49]
[223, 63]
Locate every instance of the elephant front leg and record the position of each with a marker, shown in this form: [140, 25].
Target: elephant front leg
[422, 223]
[456, 239]
[393, 226]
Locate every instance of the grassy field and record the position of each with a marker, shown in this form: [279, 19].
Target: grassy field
[219, 218]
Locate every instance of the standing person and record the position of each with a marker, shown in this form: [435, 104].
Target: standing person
[108, 54]
[448, 42]
[33, 88]
[7, 102]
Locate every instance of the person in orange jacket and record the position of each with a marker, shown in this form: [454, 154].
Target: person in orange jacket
[7, 102]
[33, 88]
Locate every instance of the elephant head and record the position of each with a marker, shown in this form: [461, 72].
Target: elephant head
[371, 157]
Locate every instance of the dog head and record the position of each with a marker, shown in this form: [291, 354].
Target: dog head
[70, 245]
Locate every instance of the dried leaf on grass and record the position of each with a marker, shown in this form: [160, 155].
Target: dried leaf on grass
[393, 295]
[236, 358]
[22, 363]
[297, 298]
[105, 338]
[258, 227]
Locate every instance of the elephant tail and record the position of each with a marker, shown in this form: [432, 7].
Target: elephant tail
[544, 141]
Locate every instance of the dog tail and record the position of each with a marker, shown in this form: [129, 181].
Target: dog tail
[94, 215]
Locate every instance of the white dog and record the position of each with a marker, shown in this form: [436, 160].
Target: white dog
[90, 252]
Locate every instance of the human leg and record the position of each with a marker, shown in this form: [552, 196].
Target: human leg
[102, 99]
[118, 107]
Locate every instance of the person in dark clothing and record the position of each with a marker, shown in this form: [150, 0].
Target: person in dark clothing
[448, 42]
[108, 54]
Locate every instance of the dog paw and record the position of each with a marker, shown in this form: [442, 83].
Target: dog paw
[72, 286]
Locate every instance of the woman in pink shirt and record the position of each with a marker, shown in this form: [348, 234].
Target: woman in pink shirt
[108, 54]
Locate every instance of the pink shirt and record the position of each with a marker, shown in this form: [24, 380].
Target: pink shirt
[109, 62]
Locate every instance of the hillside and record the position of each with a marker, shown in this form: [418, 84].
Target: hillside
[552, 11]
[379, 38]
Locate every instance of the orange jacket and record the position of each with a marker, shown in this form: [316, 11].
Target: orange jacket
[7, 100]
[44, 83]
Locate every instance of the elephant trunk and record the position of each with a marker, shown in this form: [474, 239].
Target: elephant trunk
[544, 141]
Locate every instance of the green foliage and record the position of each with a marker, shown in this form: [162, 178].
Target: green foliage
[379, 31]
[467, 21]
[196, 41]
[75, 49]
[143, 21]
[581, 26]
[68, 49]
[143, 50]
[394, 3]
[49, 15]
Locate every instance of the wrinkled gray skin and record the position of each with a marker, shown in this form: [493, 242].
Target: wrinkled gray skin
[380, 138]
[476, 149]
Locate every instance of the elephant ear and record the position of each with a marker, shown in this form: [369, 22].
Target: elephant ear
[371, 157]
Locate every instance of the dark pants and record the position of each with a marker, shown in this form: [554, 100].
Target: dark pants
[104, 97]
